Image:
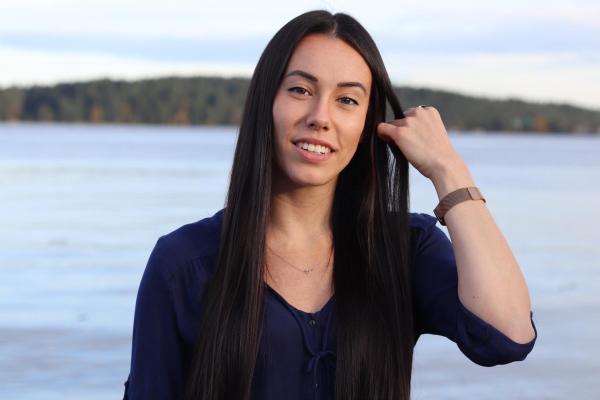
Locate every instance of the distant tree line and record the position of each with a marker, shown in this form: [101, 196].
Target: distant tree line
[219, 101]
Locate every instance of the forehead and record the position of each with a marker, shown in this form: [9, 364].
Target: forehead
[330, 59]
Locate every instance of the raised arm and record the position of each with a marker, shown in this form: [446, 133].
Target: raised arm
[490, 282]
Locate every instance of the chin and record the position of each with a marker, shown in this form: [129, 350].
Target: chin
[310, 178]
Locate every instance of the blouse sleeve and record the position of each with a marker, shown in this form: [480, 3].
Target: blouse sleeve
[156, 362]
[438, 309]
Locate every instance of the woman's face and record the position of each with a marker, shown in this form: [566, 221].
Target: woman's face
[319, 110]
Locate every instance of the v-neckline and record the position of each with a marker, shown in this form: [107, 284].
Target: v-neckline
[330, 301]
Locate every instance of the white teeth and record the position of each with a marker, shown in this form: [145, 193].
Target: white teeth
[314, 148]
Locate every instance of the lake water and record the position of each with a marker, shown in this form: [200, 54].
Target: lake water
[82, 206]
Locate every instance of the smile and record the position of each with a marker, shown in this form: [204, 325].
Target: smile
[313, 148]
[317, 154]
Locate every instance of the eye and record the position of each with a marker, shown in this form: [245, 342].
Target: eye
[348, 100]
[298, 90]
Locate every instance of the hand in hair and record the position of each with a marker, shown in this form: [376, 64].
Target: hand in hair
[422, 137]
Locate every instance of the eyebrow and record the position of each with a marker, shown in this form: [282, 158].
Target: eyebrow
[313, 78]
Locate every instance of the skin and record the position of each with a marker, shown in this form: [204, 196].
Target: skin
[299, 228]
[490, 282]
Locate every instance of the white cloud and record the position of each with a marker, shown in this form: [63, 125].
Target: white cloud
[536, 49]
[192, 18]
[150, 18]
[537, 77]
[506, 75]
[35, 67]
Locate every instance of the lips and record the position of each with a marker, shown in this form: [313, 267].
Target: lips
[312, 156]
[308, 141]
[313, 148]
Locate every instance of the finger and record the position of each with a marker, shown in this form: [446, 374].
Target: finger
[386, 129]
[391, 126]
[389, 133]
[384, 132]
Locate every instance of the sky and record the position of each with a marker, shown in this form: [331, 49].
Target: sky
[542, 51]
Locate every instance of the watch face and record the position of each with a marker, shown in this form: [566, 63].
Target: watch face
[473, 193]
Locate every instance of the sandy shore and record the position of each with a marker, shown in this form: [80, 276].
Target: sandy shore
[60, 364]
[564, 364]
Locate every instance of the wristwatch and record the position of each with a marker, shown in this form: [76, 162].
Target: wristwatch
[455, 197]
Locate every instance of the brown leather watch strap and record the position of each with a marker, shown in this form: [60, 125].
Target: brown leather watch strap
[455, 197]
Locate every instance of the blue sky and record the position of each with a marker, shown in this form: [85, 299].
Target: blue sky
[535, 50]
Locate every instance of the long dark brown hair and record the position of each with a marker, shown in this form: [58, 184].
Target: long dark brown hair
[371, 277]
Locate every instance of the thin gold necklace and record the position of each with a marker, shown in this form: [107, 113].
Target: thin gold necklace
[306, 270]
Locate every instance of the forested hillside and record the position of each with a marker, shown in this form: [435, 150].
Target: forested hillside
[219, 101]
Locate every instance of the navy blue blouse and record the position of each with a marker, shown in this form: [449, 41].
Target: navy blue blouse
[296, 357]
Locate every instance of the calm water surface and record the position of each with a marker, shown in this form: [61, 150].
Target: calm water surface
[82, 206]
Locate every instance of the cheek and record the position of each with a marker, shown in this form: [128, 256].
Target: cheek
[354, 126]
[280, 131]
[280, 122]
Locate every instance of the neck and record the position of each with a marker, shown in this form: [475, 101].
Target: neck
[301, 214]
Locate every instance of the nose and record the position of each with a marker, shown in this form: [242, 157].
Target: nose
[318, 117]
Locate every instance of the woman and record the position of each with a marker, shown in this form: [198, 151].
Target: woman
[315, 281]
